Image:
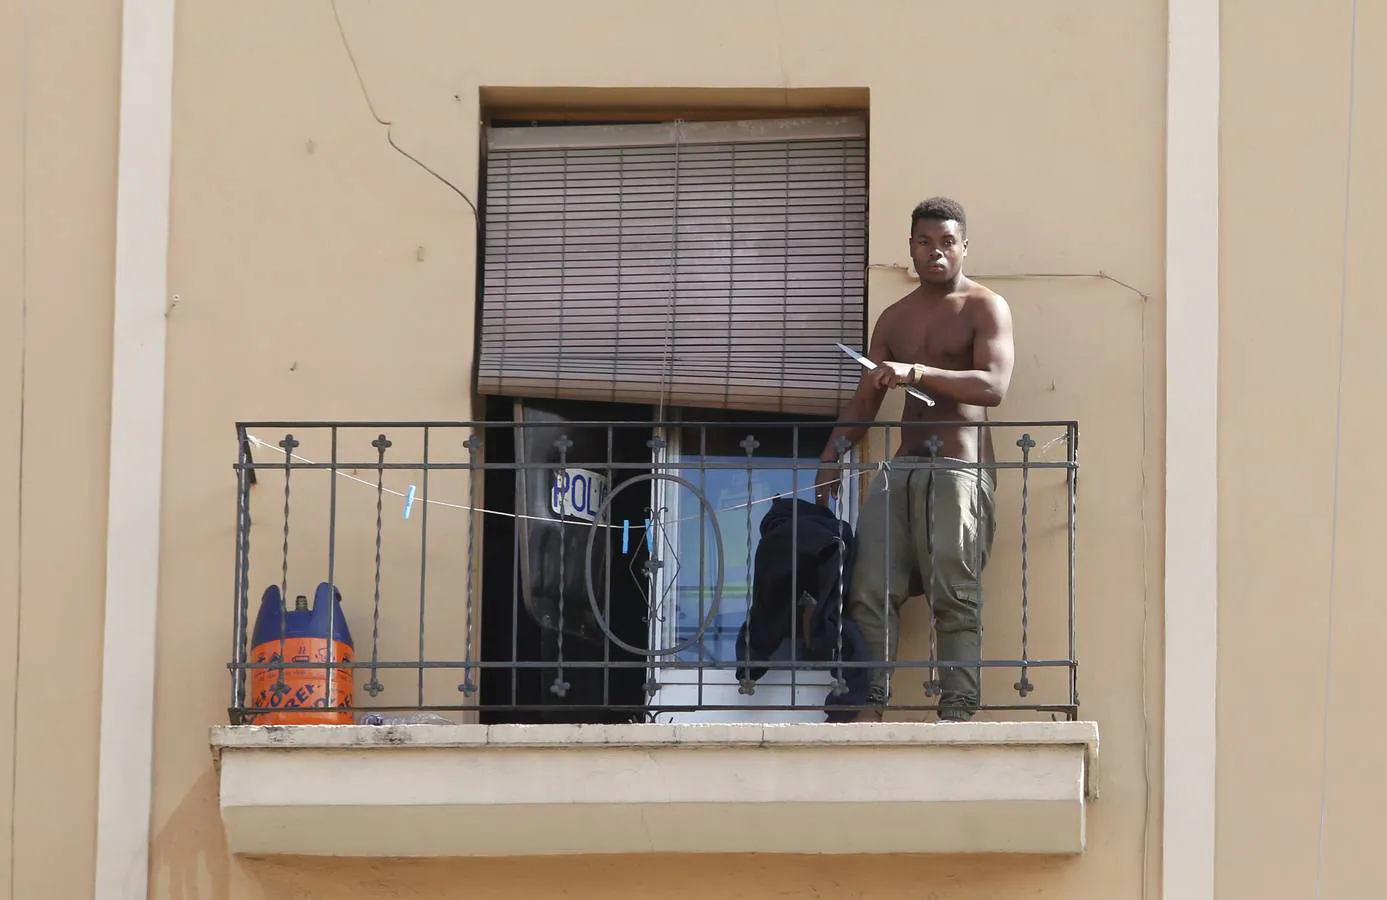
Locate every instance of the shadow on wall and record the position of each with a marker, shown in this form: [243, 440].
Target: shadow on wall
[188, 858]
[748, 877]
[188, 861]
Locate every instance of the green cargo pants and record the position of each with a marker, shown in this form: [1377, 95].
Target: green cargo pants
[925, 526]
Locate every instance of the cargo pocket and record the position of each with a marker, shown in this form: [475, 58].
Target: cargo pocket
[961, 610]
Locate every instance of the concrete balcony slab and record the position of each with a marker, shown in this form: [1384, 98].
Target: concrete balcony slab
[517, 790]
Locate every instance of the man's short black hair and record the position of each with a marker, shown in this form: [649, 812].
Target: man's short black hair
[943, 209]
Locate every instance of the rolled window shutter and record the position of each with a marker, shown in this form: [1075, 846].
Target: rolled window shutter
[705, 264]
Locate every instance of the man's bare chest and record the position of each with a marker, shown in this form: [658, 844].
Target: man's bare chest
[934, 340]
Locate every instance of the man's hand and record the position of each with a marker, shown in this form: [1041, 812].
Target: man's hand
[863, 407]
[906, 373]
[826, 482]
[892, 374]
[886, 376]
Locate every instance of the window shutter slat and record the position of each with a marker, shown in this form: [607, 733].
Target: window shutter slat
[717, 272]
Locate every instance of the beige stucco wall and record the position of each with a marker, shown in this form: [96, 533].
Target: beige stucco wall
[59, 89]
[1060, 163]
[294, 254]
[1285, 150]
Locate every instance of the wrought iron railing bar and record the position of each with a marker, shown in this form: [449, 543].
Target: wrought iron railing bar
[672, 664]
[240, 582]
[887, 603]
[1073, 479]
[245, 572]
[374, 687]
[1023, 686]
[332, 565]
[369, 425]
[563, 444]
[473, 444]
[794, 561]
[934, 685]
[607, 585]
[516, 601]
[853, 467]
[644, 712]
[619, 474]
[702, 548]
[288, 445]
[747, 685]
[423, 562]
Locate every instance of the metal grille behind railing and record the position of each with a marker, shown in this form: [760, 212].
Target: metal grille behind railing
[617, 571]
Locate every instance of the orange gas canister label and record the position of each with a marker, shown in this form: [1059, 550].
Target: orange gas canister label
[303, 692]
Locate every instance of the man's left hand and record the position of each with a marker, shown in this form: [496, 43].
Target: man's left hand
[901, 374]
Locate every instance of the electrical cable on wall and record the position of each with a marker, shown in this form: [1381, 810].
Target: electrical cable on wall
[667, 362]
[23, 419]
[1144, 297]
[389, 136]
[1037, 276]
[1338, 447]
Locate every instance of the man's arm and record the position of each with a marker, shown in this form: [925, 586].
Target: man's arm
[866, 400]
[994, 356]
[863, 407]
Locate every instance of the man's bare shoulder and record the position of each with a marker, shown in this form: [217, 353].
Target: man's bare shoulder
[980, 299]
[905, 301]
[896, 310]
[982, 294]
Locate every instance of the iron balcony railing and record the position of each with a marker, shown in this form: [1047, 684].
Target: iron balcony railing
[547, 570]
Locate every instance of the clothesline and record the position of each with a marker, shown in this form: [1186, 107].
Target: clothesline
[409, 496]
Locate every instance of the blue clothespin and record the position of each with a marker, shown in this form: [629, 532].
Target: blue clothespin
[409, 501]
[625, 535]
[649, 538]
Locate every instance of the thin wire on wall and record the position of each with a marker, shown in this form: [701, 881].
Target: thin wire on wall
[1338, 446]
[389, 126]
[1144, 297]
[667, 366]
[1029, 276]
[24, 32]
[1147, 806]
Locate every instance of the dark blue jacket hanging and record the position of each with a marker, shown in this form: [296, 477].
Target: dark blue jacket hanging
[803, 568]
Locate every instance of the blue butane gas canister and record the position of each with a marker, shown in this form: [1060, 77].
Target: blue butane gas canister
[302, 696]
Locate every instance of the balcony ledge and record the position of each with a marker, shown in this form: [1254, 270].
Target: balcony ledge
[521, 790]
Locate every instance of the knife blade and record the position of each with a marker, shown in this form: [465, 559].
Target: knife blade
[868, 364]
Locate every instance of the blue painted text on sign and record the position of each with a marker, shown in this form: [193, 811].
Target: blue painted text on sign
[578, 494]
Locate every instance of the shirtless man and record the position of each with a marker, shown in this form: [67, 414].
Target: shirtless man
[926, 524]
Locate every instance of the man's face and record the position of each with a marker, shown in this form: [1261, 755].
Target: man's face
[937, 248]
